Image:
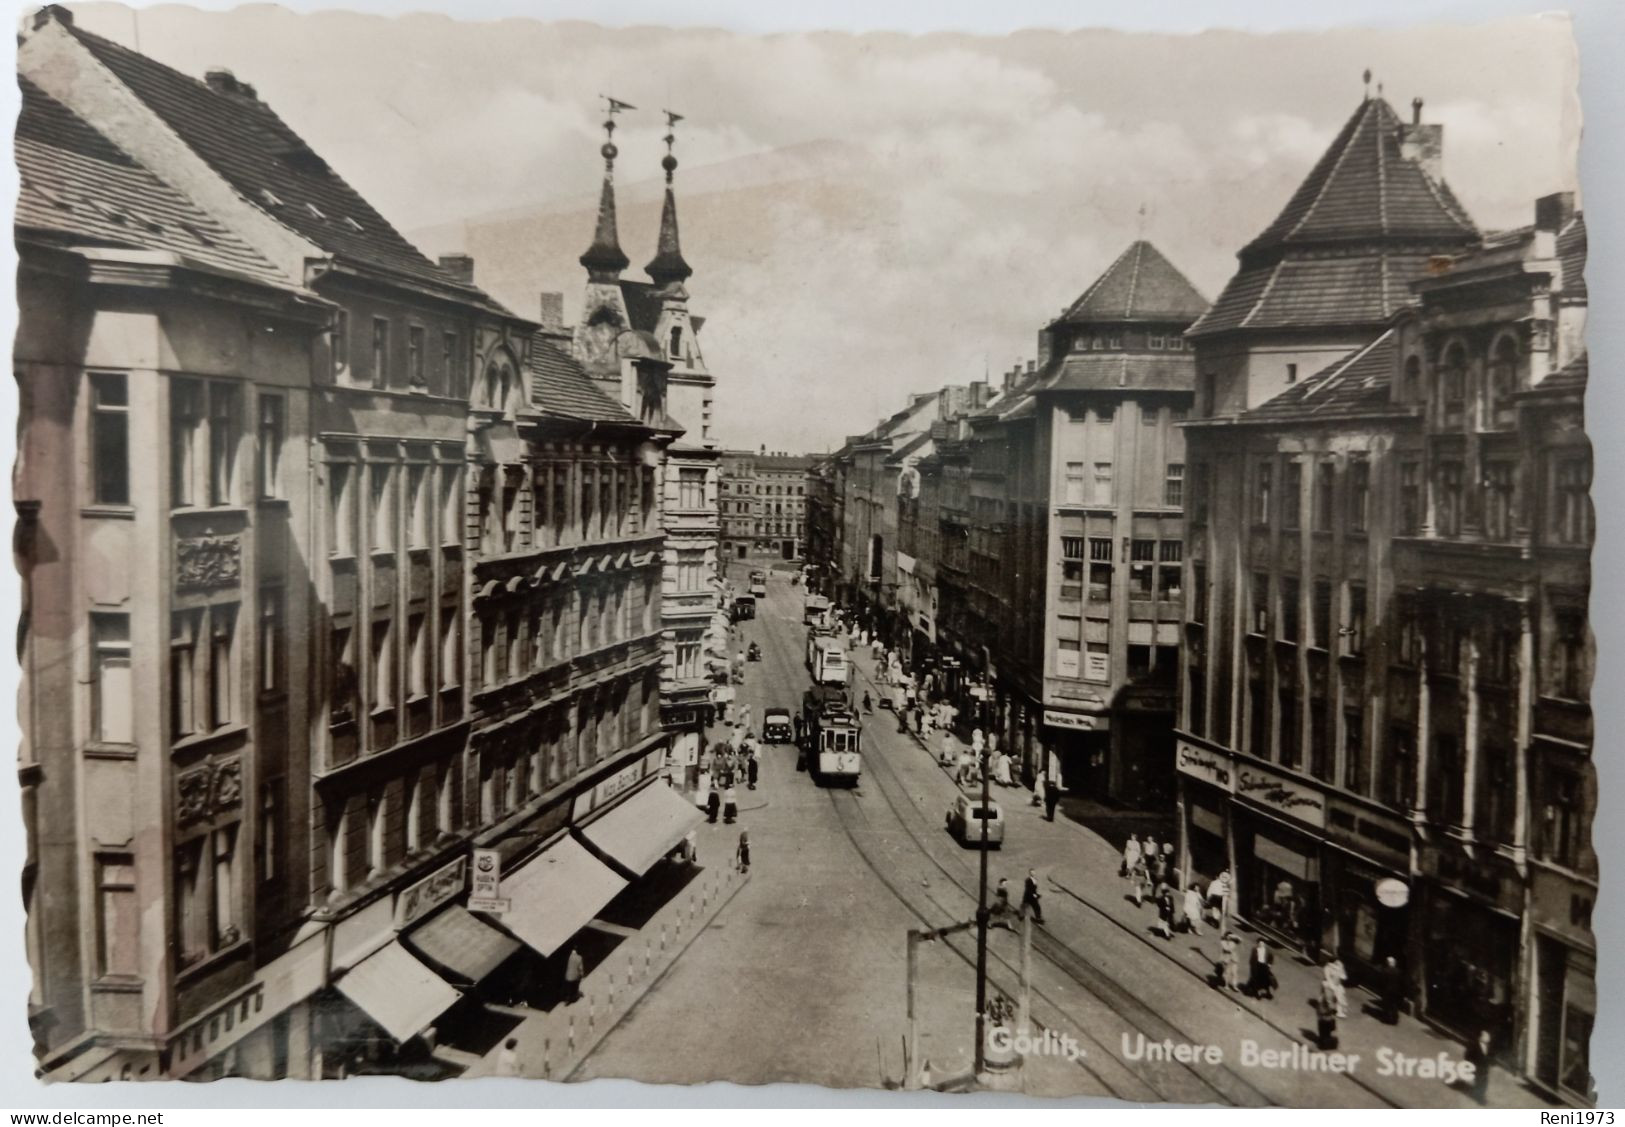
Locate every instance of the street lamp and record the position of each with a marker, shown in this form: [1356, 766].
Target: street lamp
[981, 935]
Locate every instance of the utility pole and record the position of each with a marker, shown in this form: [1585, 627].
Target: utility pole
[981, 935]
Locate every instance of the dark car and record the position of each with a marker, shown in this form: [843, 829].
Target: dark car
[776, 726]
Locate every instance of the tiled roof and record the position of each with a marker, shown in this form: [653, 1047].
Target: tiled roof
[1363, 188]
[244, 141]
[642, 304]
[1571, 250]
[1356, 384]
[913, 443]
[1141, 285]
[79, 188]
[1292, 293]
[561, 388]
[1135, 371]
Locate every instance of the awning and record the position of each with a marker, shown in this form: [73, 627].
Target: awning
[456, 942]
[644, 828]
[397, 991]
[555, 895]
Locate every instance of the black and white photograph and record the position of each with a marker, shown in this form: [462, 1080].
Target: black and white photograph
[1054, 564]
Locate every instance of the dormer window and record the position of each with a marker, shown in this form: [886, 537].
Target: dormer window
[1156, 341]
[1099, 343]
[676, 342]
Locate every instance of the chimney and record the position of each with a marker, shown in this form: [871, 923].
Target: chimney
[1553, 212]
[459, 266]
[1423, 144]
[1031, 364]
[1046, 346]
[552, 312]
[220, 80]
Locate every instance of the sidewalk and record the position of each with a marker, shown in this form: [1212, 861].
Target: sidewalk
[1086, 888]
[553, 1043]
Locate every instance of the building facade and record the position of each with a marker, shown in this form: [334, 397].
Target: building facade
[1383, 733]
[764, 505]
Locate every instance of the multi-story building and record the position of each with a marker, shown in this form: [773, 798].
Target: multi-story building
[822, 525]
[266, 866]
[638, 341]
[764, 498]
[1383, 730]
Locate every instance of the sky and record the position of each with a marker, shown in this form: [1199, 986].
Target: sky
[869, 215]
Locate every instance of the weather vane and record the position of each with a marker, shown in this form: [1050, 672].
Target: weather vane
[670, 161]
[614, 106]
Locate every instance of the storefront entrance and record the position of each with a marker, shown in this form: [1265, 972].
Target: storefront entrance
[1280, 882]
[1565, 1010]
[1470, 954]
[1204, 835]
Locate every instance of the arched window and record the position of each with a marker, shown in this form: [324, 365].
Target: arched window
[500, 382]
[1503, 381]
[1453, 385]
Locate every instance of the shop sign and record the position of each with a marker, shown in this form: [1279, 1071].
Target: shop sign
[1212, 767]
[487, 875]
[1379, 837]
[1281, 794]
[1392, 892]
[418, 900]
[622, 781]
[1071, 721]
[490, 905]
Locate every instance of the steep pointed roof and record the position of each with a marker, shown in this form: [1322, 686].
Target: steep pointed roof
[1363, 187]
[1142, 285]
[604, 259]
[668, 265]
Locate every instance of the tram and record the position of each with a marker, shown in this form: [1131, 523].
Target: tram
[833, 737]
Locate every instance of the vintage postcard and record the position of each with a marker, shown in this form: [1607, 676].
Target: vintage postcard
[1055, 563]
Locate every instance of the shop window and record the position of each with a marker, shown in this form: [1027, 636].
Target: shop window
[110, 439]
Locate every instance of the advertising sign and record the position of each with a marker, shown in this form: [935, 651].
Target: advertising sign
[487, 875]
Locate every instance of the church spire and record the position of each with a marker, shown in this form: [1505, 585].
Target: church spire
[668, 266]
[605, 260]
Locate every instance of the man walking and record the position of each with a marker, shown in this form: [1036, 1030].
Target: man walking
[742, 855]
[751, 768]
[1030, 897]
[575, 969]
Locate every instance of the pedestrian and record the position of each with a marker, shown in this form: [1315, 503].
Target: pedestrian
[919, 723]
[691, 847]
[978, 742]
[1326, 1018]
[1261, 971]
[713, 801]
[1131, 856]
[730, 806]
[1391, 990]
[947, 757]
[1478, 1055]
[1030, 897]
[751, 769]
[1139, 880]
[1193, 909]
[1001, 770]
[742, 854]
[1229, 960]
[795, 723]
[1335, 976]
[508, 1058]
[1165, 913]
[1218, 898]
[868, 705]
[1052, 795]
[967, 767]
[575, 969]
[1001, 897]
[1038, 791]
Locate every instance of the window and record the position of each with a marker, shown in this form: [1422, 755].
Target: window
[1291, 495]
[1571, 512]
[1291, 373]
[270, 829]
[1325, 476]
[414, 357]
[191, 909]
[1103, 484]
[451, 505]
[1569, 675]
[343, 702]
[1155, 341]
[183, 666]
[417, 506]
[1321, 607]
[1074, 483]
[445, 817]
[451, 362]
[383, 668]
[1562, 817]
[417, 658]
[1447, 782]
[341, 344]
[1262, 499]
[451, 648]
[514, 630]
[1498, 498]
[1408, 632]
[1100, 569]
[690, 489]
[221, 677]
[1105, 413]
[1411, 382]
[111, 703]
[690, 571]
[118, 946]
[1356, 767]
[380, 352]
[1261, 603]
[185, 427]
[226, 931]
[338, 847]
[1072, 567]
[1069, 638]
[272, 433]
[676, 348]
[341, 508]
[1359, 495]
[1503, 382]
[687, 655]
[416, 795]
[110, 439]
[273, 641]
[1447, 499]
[1397, 784]
[1453, 386]
[383, 507]
[1354, 628]
[1208, 399]
[222, 443]
[1290, 610]
[1410, 498]
[1148, 414]
[1142, 553]
[1173, 485]
[376, 852]
[1170, 569]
